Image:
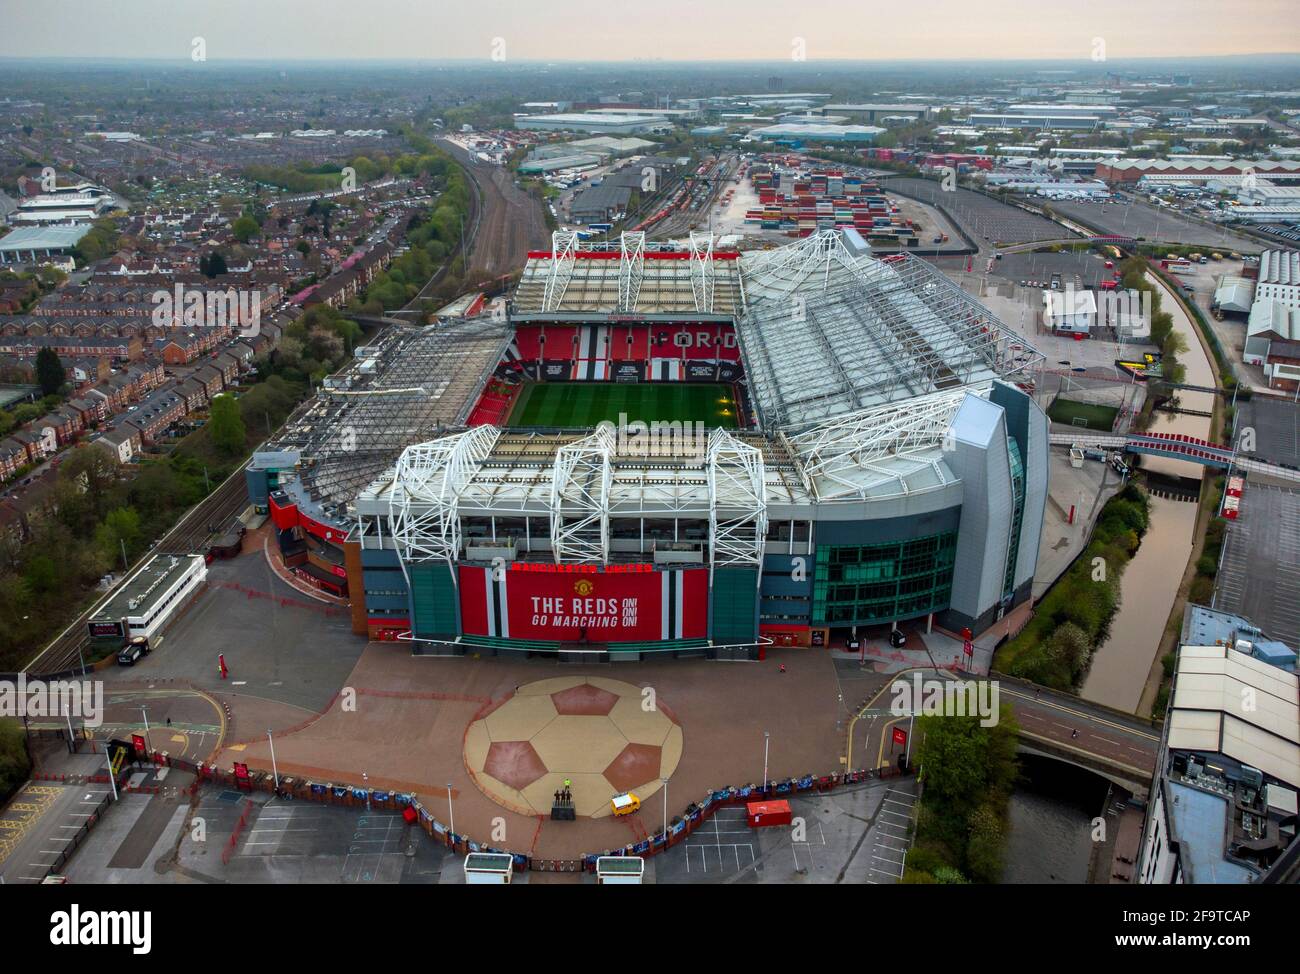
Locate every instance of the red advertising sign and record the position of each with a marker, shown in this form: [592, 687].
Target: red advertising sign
[597, 607]
[138, 742]
[968, 648]
[900, 736]
[241, 770]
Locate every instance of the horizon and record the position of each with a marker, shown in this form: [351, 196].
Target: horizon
[767, 31]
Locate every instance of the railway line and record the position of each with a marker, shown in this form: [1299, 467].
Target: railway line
[190, 534]
[508, 223]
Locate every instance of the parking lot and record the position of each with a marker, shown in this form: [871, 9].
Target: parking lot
[147, 838]
[1276, 428]
[1259, 577]
[297, 842]
[984, 218]
[43, 822]
[1130, 217]
[854, 835]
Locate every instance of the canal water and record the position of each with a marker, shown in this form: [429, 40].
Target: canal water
[1150, 583]
[1052, 809]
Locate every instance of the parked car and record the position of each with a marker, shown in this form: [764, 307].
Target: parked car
[133, 652]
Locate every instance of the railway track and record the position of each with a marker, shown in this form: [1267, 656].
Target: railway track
[189, 535]
[210, 516]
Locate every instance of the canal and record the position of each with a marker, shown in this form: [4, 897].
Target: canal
[1150, 583]
[1052, 808]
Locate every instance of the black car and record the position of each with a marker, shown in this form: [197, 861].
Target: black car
[133, 651]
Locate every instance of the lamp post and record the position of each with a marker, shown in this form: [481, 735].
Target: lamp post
[665, 784]
[767, 738]
[451, 813]
[274, 771]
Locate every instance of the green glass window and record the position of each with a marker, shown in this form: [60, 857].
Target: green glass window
[1017, 516]
[864, 584]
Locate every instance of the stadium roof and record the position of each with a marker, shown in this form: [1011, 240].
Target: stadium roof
[827, 333]
[406, 388]
[627, 278]
[857, 366]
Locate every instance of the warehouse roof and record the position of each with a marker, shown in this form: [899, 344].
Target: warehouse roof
[1279, 267]
[43, 238]
[1207, 715]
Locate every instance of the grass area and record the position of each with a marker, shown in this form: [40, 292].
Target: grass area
[585, 404]
[1072, 620]
[1085, 414]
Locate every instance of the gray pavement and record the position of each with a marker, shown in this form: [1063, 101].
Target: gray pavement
[1259, 575]
[1276, 425]
[162, 839]
[851, 835]
[279, 644]
[1139, 219]
[45, 820]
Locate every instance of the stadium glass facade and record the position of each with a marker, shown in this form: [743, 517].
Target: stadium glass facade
[863, 584]
[1018, 514]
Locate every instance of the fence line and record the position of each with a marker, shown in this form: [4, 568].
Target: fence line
[680, 827]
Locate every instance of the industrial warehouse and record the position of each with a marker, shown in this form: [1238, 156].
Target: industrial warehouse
[679, 451]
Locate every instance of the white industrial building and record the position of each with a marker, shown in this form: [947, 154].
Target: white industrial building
[149, 598]
[597, 123]
[1223, 802]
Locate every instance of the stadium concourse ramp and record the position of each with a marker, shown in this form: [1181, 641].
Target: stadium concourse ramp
[1177, 446]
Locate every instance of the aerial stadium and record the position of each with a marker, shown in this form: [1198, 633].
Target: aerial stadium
[679, 451]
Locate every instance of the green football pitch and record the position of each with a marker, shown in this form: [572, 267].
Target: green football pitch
[1093, 416]
[586, 404]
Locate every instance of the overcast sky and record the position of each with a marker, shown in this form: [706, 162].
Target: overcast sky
[586, 30]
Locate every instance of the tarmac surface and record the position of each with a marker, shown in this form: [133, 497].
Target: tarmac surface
[857, 834]
[1259, 575]
[1138, 218]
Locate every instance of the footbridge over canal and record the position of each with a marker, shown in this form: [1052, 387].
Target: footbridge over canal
[1177, 446]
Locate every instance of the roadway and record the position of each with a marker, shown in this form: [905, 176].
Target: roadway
[1060, 724]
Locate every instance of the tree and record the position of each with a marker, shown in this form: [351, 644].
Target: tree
[245, 229]
[212, 264]
[120, 530]
[226, 426]
[14, 762]
[50, 374]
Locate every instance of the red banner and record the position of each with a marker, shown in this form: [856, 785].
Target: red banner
[598, 607]
[900, 736]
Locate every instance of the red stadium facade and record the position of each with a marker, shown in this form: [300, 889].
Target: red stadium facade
[623, 603]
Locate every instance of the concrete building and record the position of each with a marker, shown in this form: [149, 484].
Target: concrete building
[600, 124]
[817, 133]
[149, 598]
[1223, 800]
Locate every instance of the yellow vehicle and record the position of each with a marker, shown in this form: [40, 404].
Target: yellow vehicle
[625, 804]
[1216, 256]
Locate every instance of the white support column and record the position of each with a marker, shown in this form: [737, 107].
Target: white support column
[737, 503]
[580, 497]
[564, 248]
[631, 268]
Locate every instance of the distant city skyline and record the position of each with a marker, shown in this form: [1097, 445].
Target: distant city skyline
[667, 30]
